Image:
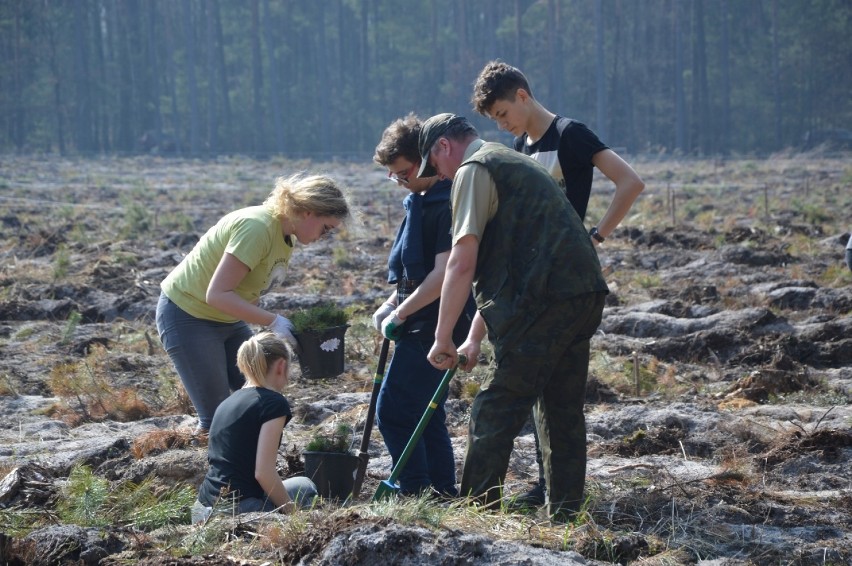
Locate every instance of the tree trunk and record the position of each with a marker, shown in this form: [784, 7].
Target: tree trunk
[57, 85]
[700, 88]
[323, 108]
[154, 68]
[725, 122]
[274, 83]
[776, 79]
[124, 136]
[112, 77]
[519, 36]
[463, 58]
[680, 97]
[82, 110]
[436, 61]
[630, 82]
[170, 20]
[100, 119]
[140, 111]
[189, 68]
[256, 78]
[554, 51]
[212, 116]
[221, 68]
[600, 71]
[364, 88]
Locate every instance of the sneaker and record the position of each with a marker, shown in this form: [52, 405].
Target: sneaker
[532, 498]
[199, 512]
[199, 437]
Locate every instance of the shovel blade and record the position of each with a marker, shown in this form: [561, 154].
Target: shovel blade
[386, 489]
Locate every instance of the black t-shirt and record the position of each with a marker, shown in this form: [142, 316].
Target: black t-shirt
[232, 448]
[566, 150]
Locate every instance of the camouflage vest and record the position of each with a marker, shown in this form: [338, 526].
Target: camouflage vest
[535, 252]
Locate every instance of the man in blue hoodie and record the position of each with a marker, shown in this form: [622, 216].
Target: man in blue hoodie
[409, 316]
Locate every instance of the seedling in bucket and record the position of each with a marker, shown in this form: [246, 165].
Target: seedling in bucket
[389, 486]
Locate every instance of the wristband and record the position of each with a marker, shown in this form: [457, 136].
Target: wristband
[596, 235]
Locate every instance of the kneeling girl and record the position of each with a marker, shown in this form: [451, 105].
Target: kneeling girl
[245, 435]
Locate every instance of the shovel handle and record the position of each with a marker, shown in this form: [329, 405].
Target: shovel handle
[363, 454]
[461, 360]
[424, 420]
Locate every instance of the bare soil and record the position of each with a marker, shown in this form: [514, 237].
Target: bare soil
[718, 407]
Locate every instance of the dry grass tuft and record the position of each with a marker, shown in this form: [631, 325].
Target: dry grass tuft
[88, 396]
[158, 441]
[735, 404]
[675, 557]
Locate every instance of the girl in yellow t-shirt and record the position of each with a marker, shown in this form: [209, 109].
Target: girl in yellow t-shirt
[209, 299]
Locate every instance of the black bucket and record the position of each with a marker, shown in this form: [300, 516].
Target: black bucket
[321, 352]
[332, 472]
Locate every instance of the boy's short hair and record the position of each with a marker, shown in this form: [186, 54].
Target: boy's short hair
[497, 81]
[399, 140]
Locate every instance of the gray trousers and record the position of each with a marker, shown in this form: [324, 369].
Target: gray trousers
[204, 353]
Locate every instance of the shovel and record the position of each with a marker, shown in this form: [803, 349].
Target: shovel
[389, 486]
[363, 455]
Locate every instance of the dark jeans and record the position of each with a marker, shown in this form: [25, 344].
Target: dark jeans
[547, 370]
[204, 353]
[408, 386]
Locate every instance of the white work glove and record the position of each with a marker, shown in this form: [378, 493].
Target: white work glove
[392, 326]
[381, 314]
[283, 328]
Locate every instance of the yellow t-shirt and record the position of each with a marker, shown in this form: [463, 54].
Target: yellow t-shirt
[252, 235]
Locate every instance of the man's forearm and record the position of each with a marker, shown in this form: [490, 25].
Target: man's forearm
[625, 194]
[477, 329]
[454, 295]
[456, 287]
[628, 186]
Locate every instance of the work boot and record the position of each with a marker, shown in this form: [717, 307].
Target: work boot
[532, 498]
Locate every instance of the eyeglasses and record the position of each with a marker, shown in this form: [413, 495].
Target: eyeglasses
[402, 177]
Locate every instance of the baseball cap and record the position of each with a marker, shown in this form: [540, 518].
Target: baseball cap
[430, 131]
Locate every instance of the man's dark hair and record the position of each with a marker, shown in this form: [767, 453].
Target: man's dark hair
[497, 81]
[399, 140]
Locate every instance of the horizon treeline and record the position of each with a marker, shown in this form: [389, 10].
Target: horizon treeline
[324, 77]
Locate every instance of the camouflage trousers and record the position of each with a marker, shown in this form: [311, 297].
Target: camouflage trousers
[545, 370]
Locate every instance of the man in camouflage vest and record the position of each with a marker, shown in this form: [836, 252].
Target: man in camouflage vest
[539, 293]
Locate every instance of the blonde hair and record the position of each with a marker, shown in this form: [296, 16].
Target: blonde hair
[257, 354]
[301, 193]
